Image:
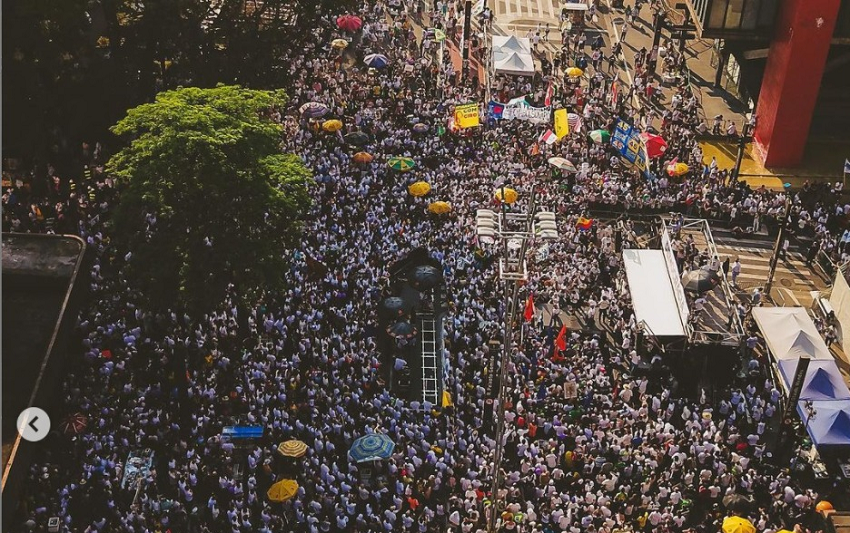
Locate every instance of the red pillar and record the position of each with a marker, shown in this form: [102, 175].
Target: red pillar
[792, 79]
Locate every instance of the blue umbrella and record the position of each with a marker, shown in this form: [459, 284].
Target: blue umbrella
[376, 60]
[371, 447]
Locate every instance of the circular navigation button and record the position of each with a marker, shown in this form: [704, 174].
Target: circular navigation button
[33, 424]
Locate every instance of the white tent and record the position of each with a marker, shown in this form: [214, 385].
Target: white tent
[512, 44]
[653, 296]
[790, 333]
[516, 64]
[512, 55]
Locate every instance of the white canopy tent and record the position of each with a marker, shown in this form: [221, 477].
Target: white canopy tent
[652, 292]
[512, 55]
[516, 65]
[790, 333]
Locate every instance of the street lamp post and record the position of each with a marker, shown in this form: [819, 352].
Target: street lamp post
[739, 159]
[512, 270]
[777, 249]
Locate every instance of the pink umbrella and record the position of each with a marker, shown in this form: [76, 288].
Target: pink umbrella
[655, 145]
[349, 23]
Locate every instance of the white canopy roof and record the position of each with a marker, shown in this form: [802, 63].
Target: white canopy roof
[652, 292]
[516, 64]
[512, 44]
[512, 55]
[790, 333]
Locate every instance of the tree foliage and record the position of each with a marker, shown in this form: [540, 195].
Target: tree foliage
[228, 204]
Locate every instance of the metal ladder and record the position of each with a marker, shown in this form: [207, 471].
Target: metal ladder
[430, 379]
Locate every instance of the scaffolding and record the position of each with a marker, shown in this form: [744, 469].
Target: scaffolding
[722, 324]
[430, 364]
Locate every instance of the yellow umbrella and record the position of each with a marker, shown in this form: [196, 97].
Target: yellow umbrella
[362, 157]
[574, 72]
[440, 207]
[283, 490]
[339, 44]
[510, 195]
[677, 169]
[332, 125]
[736, 524]
[420, 188]
[292, 448]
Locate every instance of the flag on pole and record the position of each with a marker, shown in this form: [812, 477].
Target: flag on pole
[548, 137]
[561, 339]
[847, 166]
[529, 308]
[550, 91]
[584, 224]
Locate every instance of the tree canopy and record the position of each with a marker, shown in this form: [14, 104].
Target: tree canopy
[228, 204]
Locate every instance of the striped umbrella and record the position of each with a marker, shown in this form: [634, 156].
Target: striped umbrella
[402, 164]
[74, 424]
[600, 136]
[371, 447]
[292, 448]
[314, 110]
[563, 164]
[376, 60]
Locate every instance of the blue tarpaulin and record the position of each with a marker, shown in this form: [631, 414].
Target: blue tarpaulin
[830, 426]
[823, 380]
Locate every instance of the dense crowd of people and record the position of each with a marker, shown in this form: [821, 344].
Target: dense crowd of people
[592, 445]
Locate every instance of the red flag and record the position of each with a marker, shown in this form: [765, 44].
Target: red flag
[550, 91]
[561, 339]
[529, 308]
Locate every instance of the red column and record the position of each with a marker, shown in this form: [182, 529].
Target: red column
[792, 79]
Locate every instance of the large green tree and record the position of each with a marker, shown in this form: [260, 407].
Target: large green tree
[207, 163]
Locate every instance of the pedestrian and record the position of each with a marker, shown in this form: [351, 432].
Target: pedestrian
[736, 271]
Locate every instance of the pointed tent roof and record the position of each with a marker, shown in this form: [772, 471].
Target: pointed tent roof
[802, 343]
[823, 380]
[512, 44]
[831, 424]
[790, 333]
[515, 64]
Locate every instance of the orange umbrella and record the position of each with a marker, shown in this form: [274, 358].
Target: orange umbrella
[823, 505]
[362, 157]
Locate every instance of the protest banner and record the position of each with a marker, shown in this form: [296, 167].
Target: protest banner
[466, 116]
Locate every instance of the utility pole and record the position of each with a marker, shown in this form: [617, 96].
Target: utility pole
[657, 25]
[512, 270]
[742, 144]
[777, 249]
[465, 41]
